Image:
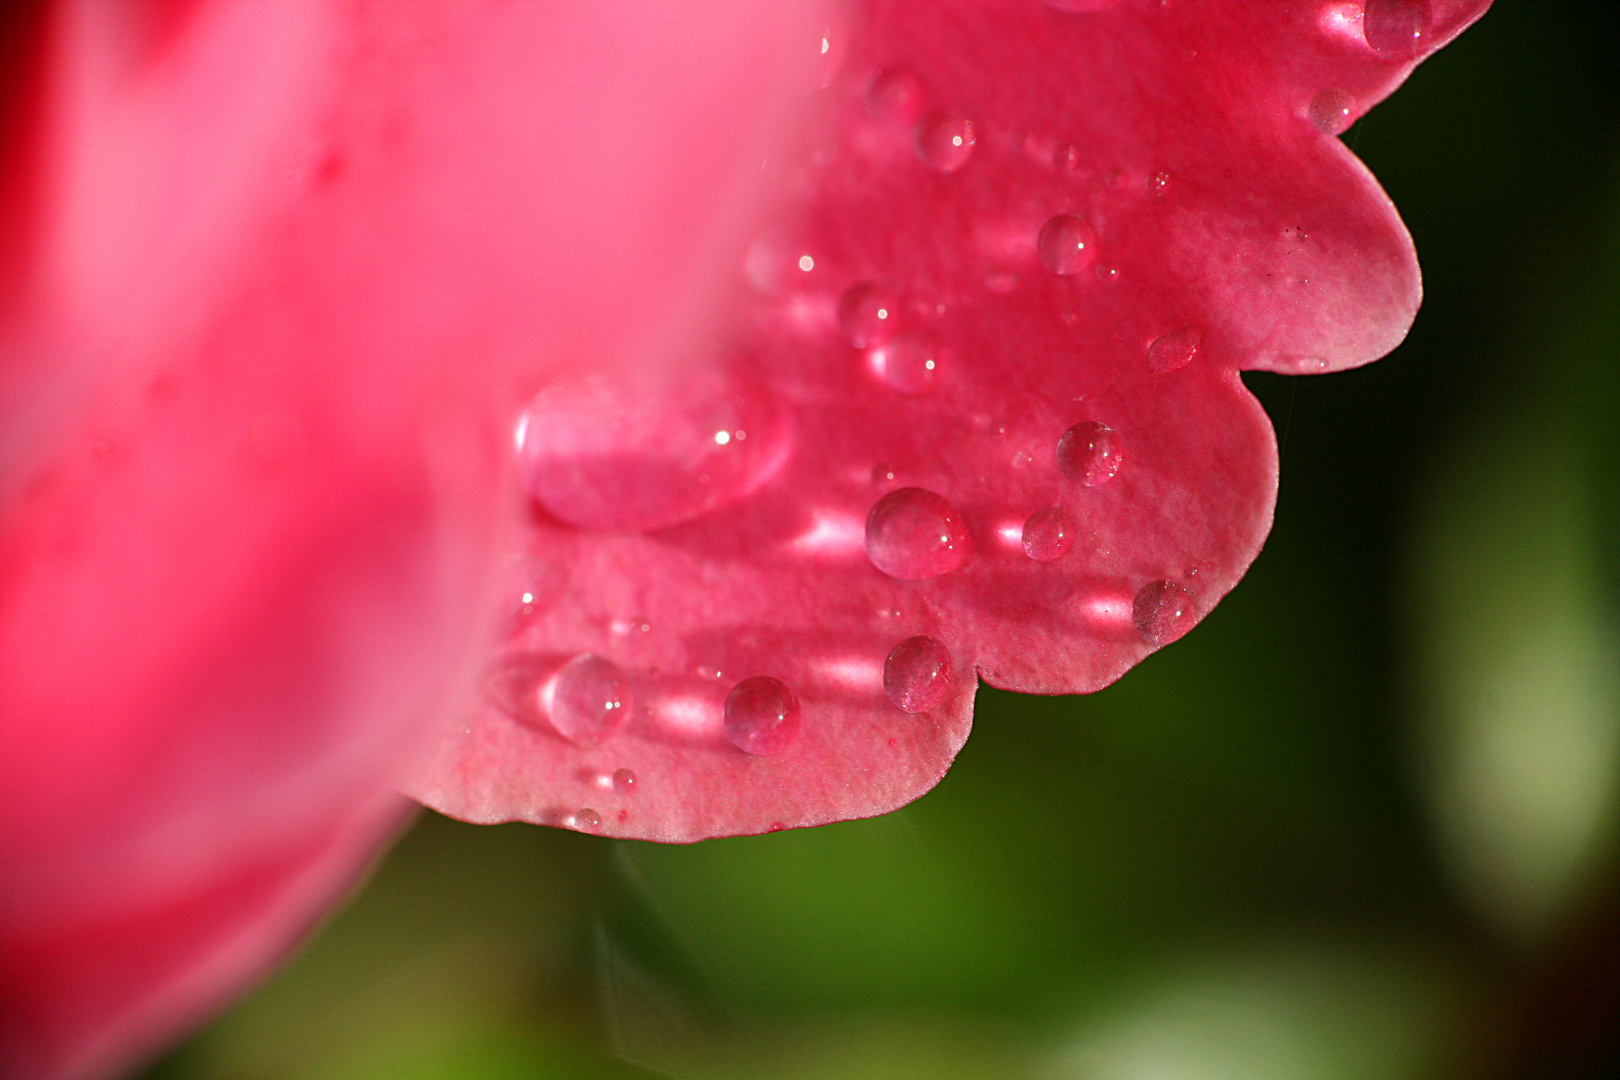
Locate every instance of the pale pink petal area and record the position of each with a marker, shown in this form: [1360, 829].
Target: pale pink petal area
[1029, 249]
[285, 270]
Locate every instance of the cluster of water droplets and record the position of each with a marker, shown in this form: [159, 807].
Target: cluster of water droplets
[722, 443]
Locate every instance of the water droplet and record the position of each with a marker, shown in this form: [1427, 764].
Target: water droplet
[589, 700]
[909, 363]
[762, 715]
[1067, 158]
[868, 314]
[1158, 183]
[913, 533]
[624, 781]
[1163, 611]
[806, 263]
[917, 674]
[1396, 29]
[945, 140]
[586, 819]
[895, 97]
[1048, 534]
[1067, 244]
[1174, 350]
[637, 454]
[1089, 453]
[882, 474]
[1331, 111]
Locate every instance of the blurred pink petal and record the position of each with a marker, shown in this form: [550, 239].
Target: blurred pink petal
[276, 274]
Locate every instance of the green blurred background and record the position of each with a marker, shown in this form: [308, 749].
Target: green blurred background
[1361, 823]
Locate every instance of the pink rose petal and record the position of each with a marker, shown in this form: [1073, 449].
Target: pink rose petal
[1044, 190]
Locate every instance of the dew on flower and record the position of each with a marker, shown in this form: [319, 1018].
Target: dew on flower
[944, 140]
[1331, 111]
[1173, 351]
[1067, 244]
[762, 715]
[894, 98]
[588, 700]
[1158, 183]
[1048, 534]
[868, 314]
[1396, 29]
[1089, 453]
[1162, 612]
[909, 363]
[913, 533]
[624, 781]
[586, 819]
[631, 455]
[917, 674]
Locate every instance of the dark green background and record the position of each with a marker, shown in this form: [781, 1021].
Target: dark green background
[1223, 866]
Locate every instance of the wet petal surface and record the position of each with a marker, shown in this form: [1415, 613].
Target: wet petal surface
[1094, 215]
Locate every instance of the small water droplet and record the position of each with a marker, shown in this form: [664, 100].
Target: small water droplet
[806, 263]
[1158, 183]
[1174, 350]
[624, 781]
[1067, 159]
[917, 674]
[762, 715]
[1396, 29]
[1048, 534]
[895, 97]
[1108, 274]
[945, 140]
[912, 533]
[1089, 453]
[910, 363]
[589, 700]
[1163, 612]
[868, 314]
[1330, 111]
[586, 819]
[636, 454]
[882, 474]
[1067, 244]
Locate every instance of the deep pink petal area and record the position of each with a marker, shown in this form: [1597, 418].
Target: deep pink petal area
[290, 262]
[1019, 219]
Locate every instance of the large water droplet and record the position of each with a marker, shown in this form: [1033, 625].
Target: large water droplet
[762, 715]
[945, 140]
[1163, 611]
[1067, 245]
[640, 453]
[1396, 29]
[624, 781]
[895, 97]
[913, 533]
[1090, 453]
[1331, 110]
[1048, 534]
[589, 700]
[917, 674]
[1174, 350]
[868, 314]
[909, 363]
